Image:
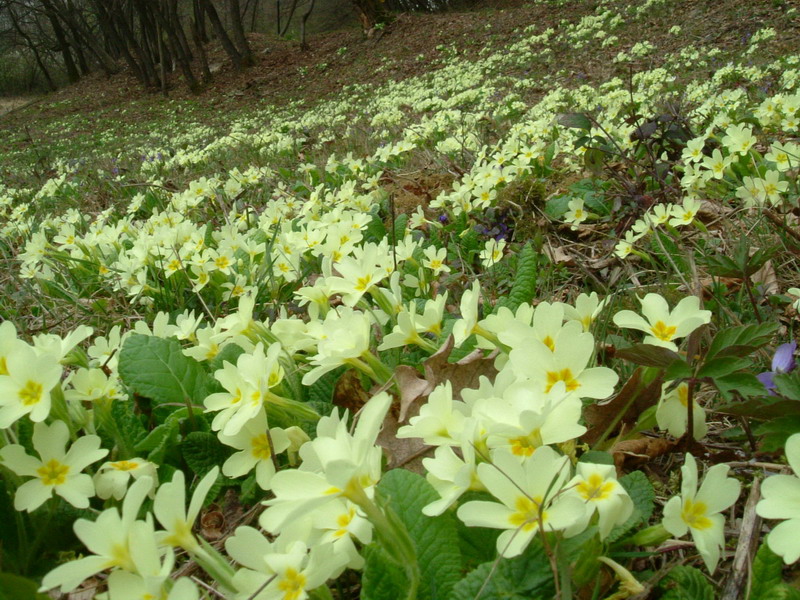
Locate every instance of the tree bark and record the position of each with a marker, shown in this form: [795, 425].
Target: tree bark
[37, 57]
[219, 29]
[63, 46]
[303, 45]
[237, 29]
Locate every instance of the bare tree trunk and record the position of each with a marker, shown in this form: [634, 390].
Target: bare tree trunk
[61, 38]
[33, 48]
[253, 18]
[288, 19]
[371, 12]
[303, 45]
[201, 52]
[237, 29]
[161, 64]
[219, 29]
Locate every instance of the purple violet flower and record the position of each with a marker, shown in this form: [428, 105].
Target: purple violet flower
[782, 362]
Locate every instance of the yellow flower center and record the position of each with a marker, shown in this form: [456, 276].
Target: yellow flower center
[362, 283]
[595, 488]
[528, 513]
[548, 341]
[124, 465]
[31, 393]
[343, 521]
[526, 445]
[683, 394]
[260, 447]
[292, 584]
[565, 375]
[222, 262]
[663, 331]
[53, 472]
[3, 366]
[694, 514]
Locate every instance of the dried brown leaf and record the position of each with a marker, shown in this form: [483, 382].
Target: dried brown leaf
[348, 393]
[766, 278]
[633, 399]
[629, 454]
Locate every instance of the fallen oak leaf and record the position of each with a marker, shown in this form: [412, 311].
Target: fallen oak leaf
[464, 374]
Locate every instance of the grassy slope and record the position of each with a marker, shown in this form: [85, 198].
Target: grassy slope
[481, 72]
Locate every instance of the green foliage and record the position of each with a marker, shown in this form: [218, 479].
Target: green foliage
[686, 583]
[767, 579]
[202, 451]
[524, 288]
[740, 341]
[14, 587]
[519, 578]
[641, 492]
[156, 368]
[435, 538]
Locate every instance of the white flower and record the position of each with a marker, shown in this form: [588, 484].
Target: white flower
[56, 470]
[780, 499]
[662, 325]
[699, 511]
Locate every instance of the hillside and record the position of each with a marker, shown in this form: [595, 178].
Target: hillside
[546, 251]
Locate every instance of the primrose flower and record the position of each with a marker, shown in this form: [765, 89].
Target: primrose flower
[529, 497]
[684, 214]
[113, 539]
[662, 325]
[597, 487]
[56, 470]
[492, 252]
[699, 511]
[256, 451]
[586, 309]
[344, 339]
[780, 499]
[576, 213]
[247, 385]
[782, 362]
[170, 509]
[567, 362]
[112, 478]
[335, 464]
[465, 326]
[275, 570]
[26, 384]
[672, 408]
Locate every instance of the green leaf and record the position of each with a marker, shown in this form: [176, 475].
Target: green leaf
[556, 207]
[435, 538]
[575, 121]
[383, 578]
[524, 287]
[649, 355]
[156, 368]
[775, 432]
[641, 492]
[745, 384]
[767, 569]
[202, 451]
[741, 340]
[788, 384]
[762, 408]
[597, 457]
[722, 366]
[520, 578]
[128, 422]
[14, 587]
[686, 583]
